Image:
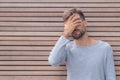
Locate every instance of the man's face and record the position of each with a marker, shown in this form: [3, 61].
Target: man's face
[80, 29]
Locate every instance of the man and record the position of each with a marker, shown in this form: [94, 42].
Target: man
[86, 58]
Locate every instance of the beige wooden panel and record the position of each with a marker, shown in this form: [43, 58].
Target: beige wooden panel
[60, 1]
[24, 63]
[57, 9]
[36, 68]
[59, 5]
[33, 77]
[30, 28]
[34, 73]
[32, 14]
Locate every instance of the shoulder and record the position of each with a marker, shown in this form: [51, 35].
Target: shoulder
[107, 47]
[70, 44]
[105, 44]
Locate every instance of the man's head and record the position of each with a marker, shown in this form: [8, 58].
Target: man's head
[80, 29]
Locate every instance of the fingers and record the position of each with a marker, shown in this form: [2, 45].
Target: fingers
[71, 17]
[72, 22]
[74, 27]
[77, 21]
[74, 18]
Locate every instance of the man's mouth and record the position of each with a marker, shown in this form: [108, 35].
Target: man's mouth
[76, 31]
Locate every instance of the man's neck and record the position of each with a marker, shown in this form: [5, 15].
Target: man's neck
[85, 40]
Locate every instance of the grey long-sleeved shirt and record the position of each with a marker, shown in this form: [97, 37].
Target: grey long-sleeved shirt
[93, 62]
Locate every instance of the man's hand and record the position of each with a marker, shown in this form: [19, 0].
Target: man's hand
[70, 25]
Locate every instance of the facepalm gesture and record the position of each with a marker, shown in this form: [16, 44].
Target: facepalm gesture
[71, 24]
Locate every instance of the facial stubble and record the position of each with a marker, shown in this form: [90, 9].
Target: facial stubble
[78, 35]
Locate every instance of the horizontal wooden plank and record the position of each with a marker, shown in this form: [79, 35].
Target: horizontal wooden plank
[117, 63]
[25, 63]
[27, 43]
[77, 4]
[116, 10]
[31, 48]
[41, 43]
[54, 19]
[51, 38]
[24, 58]
[30, 33]
[95, 14]
[30, 38]
[60, 1]
[117, 58]
[33, 29]
[114, 43]
[32, 53]
[117, 68]
[33, 77]
[55, 34]
[33, 68]
[30, 14]
[34, 58]
[33, 73]
[55, 24]
[53, 29]
[102, 19]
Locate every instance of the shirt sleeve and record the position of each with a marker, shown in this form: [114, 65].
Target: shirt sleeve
[59, 53]
[110, 66]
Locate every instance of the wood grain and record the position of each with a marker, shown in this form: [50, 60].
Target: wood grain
[30, 28]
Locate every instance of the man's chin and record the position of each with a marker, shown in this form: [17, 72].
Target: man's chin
[77, 36]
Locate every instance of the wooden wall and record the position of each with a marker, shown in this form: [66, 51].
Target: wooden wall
[30, 28]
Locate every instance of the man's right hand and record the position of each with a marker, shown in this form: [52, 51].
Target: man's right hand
[70, 25]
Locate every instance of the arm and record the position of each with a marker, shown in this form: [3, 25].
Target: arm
[110, 66]
[58, 53]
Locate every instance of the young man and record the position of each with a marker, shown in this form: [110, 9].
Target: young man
[86, 58]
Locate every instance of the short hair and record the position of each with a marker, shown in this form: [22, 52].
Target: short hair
[70, 12]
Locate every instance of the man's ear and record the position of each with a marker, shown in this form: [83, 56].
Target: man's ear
[85, 23]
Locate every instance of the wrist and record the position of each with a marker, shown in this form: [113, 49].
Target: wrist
[65, 34]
